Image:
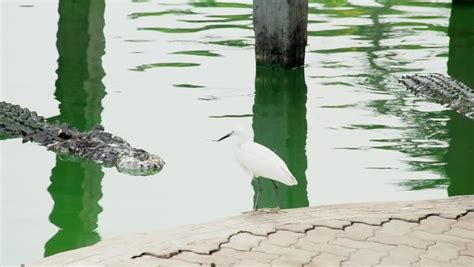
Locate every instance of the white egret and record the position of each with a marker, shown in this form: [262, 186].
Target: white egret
[259, 161]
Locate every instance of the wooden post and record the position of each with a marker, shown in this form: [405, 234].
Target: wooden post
[280, 32]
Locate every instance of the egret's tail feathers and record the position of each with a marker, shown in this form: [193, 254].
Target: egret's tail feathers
[292, 181]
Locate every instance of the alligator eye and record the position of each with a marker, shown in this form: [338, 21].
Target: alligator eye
[64, 135]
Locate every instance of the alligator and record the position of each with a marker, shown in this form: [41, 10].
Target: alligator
[96, 144]
[442, 89]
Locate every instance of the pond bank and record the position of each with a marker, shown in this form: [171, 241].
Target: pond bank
[427, 232]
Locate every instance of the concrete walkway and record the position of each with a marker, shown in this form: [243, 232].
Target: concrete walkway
[416, 233]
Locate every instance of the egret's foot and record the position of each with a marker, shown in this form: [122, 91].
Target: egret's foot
[271, 210]
[265, 210]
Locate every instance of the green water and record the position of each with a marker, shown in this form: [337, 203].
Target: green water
[76, 186]
[170, 76]
[280, 105]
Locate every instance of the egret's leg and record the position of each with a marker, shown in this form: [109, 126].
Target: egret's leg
[276, 193]
[259, 188]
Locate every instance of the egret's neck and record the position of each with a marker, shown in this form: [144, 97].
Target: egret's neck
[243, 138]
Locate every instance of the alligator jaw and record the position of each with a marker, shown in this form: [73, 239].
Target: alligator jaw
[133, 165]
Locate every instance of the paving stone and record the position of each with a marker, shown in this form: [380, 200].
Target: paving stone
[469, 217]
[245, 255]
[204, 246]
[243, 241]
[444, 240]
[364, 257]
[198, 258]
[455, 240]
[339, 224]
[255, 263]
[409, 217]
[289, 261]
[392, 265]
[464, 224]
[397, 228]
[452, 214]
[283, 238]
[469, 251]
[371, 220]
[435, 225]
[332, 249]
[400, 240]
[464, 260]
[289, 252]
[466, 221]
[321, 235]
[441, 252]
[359, 231]
[402, 255]
[434, 263]
[295, 227]
[153, 261]
[326, 260]
[461, 232]
[164, 252]
[349, 243]
[258, 229]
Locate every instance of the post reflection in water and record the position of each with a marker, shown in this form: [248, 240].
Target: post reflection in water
[76, 185]
[279, 123]
[460, 155]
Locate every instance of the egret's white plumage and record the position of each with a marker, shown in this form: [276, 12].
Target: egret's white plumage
[260, 161]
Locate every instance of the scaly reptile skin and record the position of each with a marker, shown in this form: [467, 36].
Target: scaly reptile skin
[96, 145]
[442, 89]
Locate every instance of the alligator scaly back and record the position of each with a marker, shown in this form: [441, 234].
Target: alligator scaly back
[442, 89]
[96, 145]
[16, 121]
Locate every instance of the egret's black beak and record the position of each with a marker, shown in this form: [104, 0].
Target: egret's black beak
[224, 137]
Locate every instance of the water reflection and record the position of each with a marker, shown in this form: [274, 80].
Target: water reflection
[279, 122]
[460, 155]
[202, 15]
[461, 43]
[454, 166]
[214, 3]
[76, 185]
[197, 29]
[425, 136]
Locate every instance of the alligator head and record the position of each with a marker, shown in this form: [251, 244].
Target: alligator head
[139, 162]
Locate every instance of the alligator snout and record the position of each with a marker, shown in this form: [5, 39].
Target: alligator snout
[139, 165]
